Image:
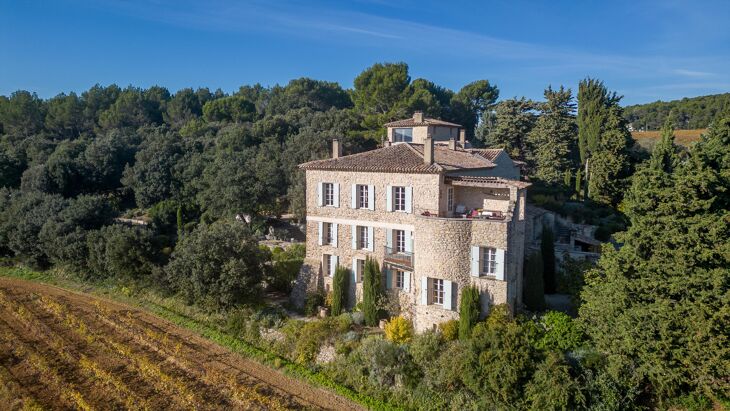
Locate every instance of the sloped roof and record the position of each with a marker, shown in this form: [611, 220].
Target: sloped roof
[488, 153]
[404, 158]
[411, 122]
[485, 181]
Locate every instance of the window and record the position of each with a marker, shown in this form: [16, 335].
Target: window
[489, 260]
[359, 270]
[328, 235]
[438, 291]
[400, 240]
[328, 194]
[362, 237]
[399, 279]
[362, 196]
[450, 199]
[403, 135]
[399, 197]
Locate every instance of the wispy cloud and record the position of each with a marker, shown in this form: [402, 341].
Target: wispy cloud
[692, 73]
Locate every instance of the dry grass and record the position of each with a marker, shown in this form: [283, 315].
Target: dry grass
[685, 138]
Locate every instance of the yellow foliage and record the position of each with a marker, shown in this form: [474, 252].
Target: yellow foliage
[399, 330]
[450, 330]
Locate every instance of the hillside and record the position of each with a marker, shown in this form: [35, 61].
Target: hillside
[688, 113]
[647, 139]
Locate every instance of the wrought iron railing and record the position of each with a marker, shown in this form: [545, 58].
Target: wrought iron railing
[403, 258]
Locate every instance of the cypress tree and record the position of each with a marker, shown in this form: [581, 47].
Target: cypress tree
[547, 251]
[578, 183]
[567, 179]
[179, 221]
[370, 291]
[468, 311]
[534, 286]
[667, 285]
[603, 141]
[554, 136]
[339, 290]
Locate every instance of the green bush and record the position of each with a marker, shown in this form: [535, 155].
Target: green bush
[468, 311]
[312, 303]
[339, 290]
[559, 332]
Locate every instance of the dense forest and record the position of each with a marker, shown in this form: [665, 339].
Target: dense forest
[687, 113]
[653, 319]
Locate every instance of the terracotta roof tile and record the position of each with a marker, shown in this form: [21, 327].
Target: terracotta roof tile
[410, 122]
[488, 153]
[403, 157]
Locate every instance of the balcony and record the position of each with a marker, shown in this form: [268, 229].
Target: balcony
[400, 258]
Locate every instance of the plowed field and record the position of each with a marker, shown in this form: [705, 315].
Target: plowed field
[65, 350]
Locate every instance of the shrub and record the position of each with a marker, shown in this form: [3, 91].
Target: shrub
[286, 266]
[358, 317]
[424, 348]
[468, 311]
[312, 336]
[559, 332]
[339, 290]
[449, 330]
[552, 387]
[371, 291]
[534, 291]
[220, 264]
[399, 330]
[312, 303]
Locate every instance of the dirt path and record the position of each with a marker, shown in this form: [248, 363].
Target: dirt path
[67, 350]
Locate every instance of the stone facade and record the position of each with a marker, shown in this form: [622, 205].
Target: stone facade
[444, 252]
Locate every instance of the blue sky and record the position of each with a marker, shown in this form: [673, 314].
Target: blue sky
[645, 50]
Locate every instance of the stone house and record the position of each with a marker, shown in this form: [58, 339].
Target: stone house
[435, 213]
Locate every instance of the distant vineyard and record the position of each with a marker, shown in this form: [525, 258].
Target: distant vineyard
[647, 139]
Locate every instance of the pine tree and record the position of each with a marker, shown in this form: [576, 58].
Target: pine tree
[668, 286]
[370, 291]
[547, 251]
[468, 311]
[554, 136]
[339, 290]
[513, 121]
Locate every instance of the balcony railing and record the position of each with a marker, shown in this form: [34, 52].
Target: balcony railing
[402, 258]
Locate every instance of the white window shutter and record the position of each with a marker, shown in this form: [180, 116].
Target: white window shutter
[371, 239]
[354, 237]
[447, 295]
[353, 196]
[320, 190]
[334, 234]
[389, 199]
[388, 279]
[409, 241]
[371, 197]
[336, 194]
[389, 238]
[354, 271]
[334, 261]
[475, 266]
[500, 264]
[406, 281]
[409, 199]
[424, 290]
[321, 233]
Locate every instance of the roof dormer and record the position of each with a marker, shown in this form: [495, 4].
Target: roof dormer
[417, 128]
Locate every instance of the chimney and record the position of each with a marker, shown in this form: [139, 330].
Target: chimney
[462, 137]
[428, 150]
[418, 117]
[452, 144]
[336, 148]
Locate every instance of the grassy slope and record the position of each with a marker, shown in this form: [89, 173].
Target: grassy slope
[205, 325]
